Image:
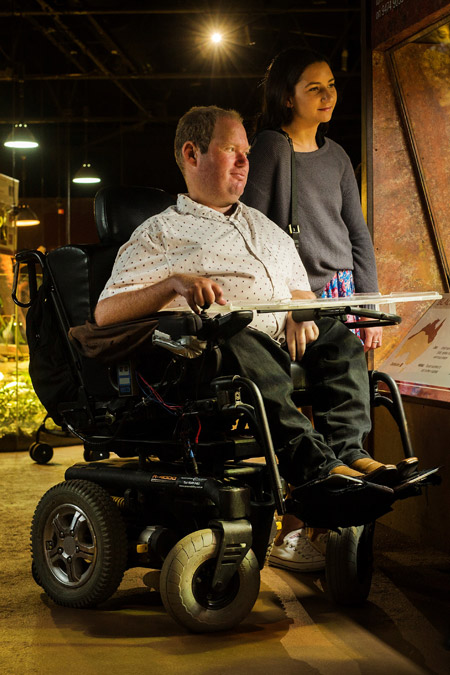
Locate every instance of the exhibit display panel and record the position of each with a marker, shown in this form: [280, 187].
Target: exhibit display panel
[411, 171]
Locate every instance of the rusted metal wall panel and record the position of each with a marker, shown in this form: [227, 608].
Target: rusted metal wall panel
[423, 72]
[406, 255]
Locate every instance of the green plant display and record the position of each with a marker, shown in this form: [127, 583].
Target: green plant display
[20, 408]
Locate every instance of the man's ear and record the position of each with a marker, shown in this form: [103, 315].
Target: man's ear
[189, 152]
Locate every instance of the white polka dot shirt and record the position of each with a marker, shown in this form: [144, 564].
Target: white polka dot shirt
[251, 258]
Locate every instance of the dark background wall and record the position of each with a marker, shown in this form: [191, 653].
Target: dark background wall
[107, 81]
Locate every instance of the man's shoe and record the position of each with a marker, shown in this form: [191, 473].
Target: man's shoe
[296, 553]
[407, 468]
[375, 472]
[386, 474]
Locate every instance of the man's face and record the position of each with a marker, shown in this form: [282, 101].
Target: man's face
[220, 175]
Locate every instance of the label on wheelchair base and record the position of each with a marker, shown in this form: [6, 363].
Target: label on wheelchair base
[191, 482]
[194, 482]
[125, 379]
[157, 478]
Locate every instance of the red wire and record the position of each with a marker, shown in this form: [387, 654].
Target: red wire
[199, 429]
[158, 396]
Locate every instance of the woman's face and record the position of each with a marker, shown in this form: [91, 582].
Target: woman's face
[314, 95]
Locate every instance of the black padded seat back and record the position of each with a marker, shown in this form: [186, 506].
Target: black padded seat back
[80, 274]
[120, 210]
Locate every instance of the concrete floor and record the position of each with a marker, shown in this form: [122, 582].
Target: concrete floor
[404, 628]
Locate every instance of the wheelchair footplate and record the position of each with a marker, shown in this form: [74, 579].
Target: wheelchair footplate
[344, 501]
[414, 484]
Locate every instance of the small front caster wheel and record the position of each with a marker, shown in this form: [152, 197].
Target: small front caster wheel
[185, 585]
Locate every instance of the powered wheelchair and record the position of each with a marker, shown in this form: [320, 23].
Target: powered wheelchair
[186, 494]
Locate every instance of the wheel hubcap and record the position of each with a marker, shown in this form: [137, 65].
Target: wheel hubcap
[70, 545]
[207, 596]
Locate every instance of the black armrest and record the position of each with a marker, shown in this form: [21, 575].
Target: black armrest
[378, 318]
[179, 324]
[224, 326]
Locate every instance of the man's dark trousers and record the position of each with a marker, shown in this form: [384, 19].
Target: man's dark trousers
[338, 388]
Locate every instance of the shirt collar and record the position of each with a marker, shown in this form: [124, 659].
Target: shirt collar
[187, 206]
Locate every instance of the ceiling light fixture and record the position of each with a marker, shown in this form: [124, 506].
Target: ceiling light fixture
[25, 216]
[86, 174]
[21, 137]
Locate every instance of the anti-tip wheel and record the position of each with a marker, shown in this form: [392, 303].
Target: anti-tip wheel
[40, 452]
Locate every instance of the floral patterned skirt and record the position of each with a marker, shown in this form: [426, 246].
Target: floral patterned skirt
[340, 286]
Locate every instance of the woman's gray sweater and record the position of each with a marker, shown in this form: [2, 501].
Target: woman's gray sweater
[333, 232]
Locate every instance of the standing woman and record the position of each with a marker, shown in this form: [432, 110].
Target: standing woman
[323, 199]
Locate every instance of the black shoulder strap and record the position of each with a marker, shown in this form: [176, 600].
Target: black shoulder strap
[294, 225]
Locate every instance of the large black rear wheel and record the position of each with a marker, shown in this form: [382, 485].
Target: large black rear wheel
[79, 544]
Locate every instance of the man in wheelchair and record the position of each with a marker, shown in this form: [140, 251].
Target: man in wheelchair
[210, 248]
[207, 527]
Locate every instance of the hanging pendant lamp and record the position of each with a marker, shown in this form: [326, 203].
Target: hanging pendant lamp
[25, 216]
[21, 137]
[86, 174]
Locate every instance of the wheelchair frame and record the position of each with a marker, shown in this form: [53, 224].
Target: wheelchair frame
[198, 510]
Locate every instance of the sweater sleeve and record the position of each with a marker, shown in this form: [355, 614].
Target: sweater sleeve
[364, 266]
[269, 182]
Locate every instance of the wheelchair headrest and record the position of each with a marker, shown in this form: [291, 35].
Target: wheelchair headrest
[119, 210]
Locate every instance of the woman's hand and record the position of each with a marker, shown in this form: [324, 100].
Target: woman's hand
[372, 337]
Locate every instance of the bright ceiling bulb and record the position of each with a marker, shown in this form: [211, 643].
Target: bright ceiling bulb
[216, 37]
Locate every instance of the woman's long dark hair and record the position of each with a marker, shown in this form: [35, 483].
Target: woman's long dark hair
[279, 82]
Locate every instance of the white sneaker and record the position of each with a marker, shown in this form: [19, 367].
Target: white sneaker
[297, 553]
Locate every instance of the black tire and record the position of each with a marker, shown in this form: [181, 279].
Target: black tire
[185, 585]
[41, 452]
[79, 544]
[349, 564]
[34, 574]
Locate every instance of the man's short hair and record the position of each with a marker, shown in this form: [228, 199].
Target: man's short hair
[197, 126]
